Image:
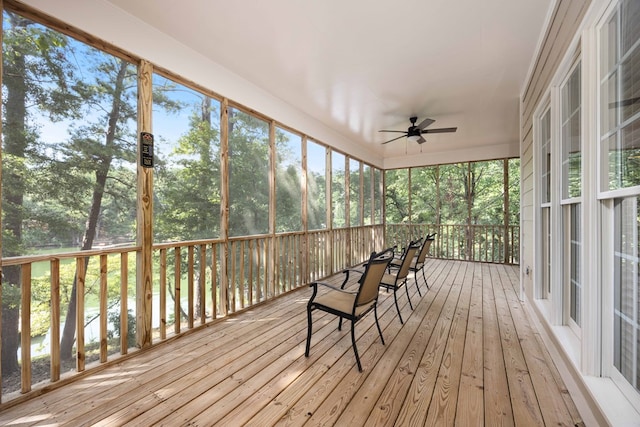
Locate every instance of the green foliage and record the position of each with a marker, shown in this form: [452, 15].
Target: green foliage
[459, 193]
[113, 317]
[248, 174]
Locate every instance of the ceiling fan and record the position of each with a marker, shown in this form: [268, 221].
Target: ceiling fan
[414, 133]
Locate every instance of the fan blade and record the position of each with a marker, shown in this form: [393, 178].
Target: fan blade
[421, 140]
[441, 130]
[397, 131]
[386, 142]
[426, 122]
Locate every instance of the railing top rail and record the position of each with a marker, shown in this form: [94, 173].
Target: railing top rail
[26, 259]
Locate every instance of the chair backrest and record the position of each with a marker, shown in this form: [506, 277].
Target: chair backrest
[372, 276]
[407, 257]
[424, 250]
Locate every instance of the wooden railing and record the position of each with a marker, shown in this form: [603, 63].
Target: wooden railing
[482, 243]
[194, 283]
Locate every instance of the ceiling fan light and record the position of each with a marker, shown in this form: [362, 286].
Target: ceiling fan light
[413, 138]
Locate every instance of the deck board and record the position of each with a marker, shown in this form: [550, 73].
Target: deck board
[467, 355]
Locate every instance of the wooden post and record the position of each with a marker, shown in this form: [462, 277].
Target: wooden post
[506, 240]
[145, 212]
[273, 254]
[347, 210]
[224, 204]
[1, 133]
[328, 212]
[304, 271]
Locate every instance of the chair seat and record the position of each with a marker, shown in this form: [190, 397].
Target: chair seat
[342, 301]
[389, 280]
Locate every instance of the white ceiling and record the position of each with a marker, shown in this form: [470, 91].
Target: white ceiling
[363, 65]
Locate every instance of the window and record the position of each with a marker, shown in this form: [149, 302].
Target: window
[571, 181]
[424, 195]
[619, 179]
[544, 167]
[248, 174]
[338, 190]
[316, 186]
[367, 191]
[377, 196]
[626, 351]
[187, 175]
[354, 193]
[619, 94]
[288, 181]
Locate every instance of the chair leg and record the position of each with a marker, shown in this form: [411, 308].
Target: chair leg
[425, 278]
[353, 342]
[375, 313]
[406, 288]
[306, 351]
[395, 298]
[415, 277]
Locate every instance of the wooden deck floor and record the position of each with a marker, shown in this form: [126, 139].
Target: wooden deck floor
[467, 355]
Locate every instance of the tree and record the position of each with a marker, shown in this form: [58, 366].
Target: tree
[35, 74]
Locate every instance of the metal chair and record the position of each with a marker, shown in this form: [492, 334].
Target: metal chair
[397, 275]
[351, 305]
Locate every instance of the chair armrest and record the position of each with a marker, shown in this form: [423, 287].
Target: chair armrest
[347, 271]
[335, 288]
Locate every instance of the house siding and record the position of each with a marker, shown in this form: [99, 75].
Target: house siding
[563, 24]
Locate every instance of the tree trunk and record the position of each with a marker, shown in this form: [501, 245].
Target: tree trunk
[13, 187]
[102, 171]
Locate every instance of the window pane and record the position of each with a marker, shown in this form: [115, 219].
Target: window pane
[620, 92]
[316, 186]
[486, 195]
[453, 193]
[367, 182]
[248, 174]
[626, 289]
[424, 195]
[354, 192]
[69, 143]
[571, 138]
[288, 181]
[187, 151]
[514, 193]
[397, 197]
[377, 196]
[338, 191]
[575, 243]
[545, 157]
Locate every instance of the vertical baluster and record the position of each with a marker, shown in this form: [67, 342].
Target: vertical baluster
[103, 308]
[163, 293]
[55, 319]
[80, 285]
[190, 288]
[177, 274]
[202, 283]
[124, 307]
[214, 282]
[25, 328]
